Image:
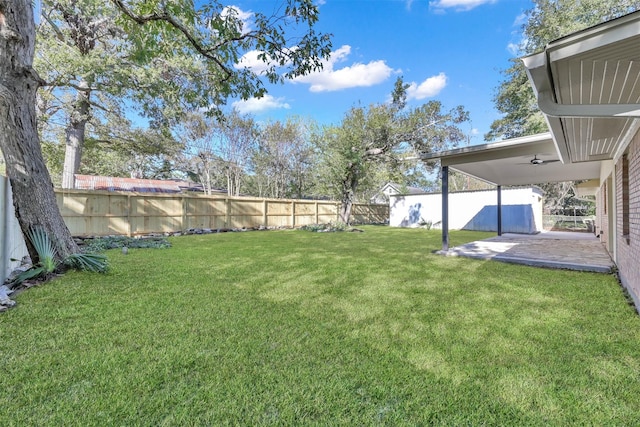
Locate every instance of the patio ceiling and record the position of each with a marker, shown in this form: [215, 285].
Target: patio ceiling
[588, 87]
[509, 162]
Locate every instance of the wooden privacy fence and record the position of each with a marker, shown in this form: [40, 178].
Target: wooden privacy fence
[102, 213]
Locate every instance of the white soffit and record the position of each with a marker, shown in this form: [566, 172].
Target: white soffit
[588, 86]
[509, 162]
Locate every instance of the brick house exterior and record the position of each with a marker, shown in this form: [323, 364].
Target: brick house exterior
[587, 88]
[626, 248]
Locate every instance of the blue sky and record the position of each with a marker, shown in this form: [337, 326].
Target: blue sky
[449, 50]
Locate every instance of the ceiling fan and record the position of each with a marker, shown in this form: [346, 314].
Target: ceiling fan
[536, 161]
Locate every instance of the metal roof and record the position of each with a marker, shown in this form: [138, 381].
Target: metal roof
[110, 183]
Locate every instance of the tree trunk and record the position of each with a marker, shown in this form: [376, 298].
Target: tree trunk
[75, 137]
[349, 186]
[33, 197]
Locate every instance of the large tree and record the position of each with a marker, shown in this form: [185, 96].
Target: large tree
[217, 152]
[379, 134]
[214, 33]
[99, 65]
[282, 162]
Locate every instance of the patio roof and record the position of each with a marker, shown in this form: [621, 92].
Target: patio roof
[588, 87]
[509, 162]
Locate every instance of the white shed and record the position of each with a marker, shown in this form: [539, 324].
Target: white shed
[471, 210]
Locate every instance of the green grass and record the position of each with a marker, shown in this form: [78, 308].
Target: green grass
[301, 328]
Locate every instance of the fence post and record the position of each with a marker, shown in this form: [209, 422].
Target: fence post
[185, 207]
[227, 219]
[265, 207]
[129, 233]
[317, 217]
[293, 214]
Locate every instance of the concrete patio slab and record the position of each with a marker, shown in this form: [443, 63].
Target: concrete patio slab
[552, 249]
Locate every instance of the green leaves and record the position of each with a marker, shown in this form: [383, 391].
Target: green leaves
[47, 254]
[96, 263]
[45, 248]
[368, 143]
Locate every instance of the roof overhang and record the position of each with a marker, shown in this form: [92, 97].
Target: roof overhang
[587, 188]
[509, 162]
[588, 87]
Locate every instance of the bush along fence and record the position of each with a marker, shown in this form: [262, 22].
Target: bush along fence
[102, 213]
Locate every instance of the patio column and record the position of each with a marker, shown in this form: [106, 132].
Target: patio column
[499, 210]
[445, 208]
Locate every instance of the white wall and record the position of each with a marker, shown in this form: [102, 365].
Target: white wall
[11, 241]
[465, 209]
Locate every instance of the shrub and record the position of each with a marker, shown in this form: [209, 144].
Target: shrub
[47, 264]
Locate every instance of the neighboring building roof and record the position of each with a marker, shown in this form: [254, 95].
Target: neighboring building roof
[392, 188]
[110, 183]
[399, 188]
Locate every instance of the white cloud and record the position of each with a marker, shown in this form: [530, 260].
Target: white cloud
[251, 60]
[356, 75]
[260, 105]
[520, 20]
[458, 5]
[428, 88]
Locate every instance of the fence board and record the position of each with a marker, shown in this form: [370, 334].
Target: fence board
[100, 213]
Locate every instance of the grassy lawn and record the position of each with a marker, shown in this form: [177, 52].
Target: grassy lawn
[300, 328]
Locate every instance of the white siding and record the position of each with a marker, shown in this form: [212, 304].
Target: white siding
[11, 241]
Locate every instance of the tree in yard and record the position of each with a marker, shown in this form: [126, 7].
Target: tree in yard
[282, 162]
[239, 139]
[33, 196]
[115, 150]
[213, 33]
[378, 134]
[217, 151]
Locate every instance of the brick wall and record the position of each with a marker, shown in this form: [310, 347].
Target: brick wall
[628, 247]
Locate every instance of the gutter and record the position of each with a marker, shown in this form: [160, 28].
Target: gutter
[550, 107]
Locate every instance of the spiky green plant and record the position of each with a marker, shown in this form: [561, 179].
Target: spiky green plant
[47, 253]
[96, 263]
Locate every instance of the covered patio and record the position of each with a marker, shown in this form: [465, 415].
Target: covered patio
[552, 249]
[587, 88]
[524, 161]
